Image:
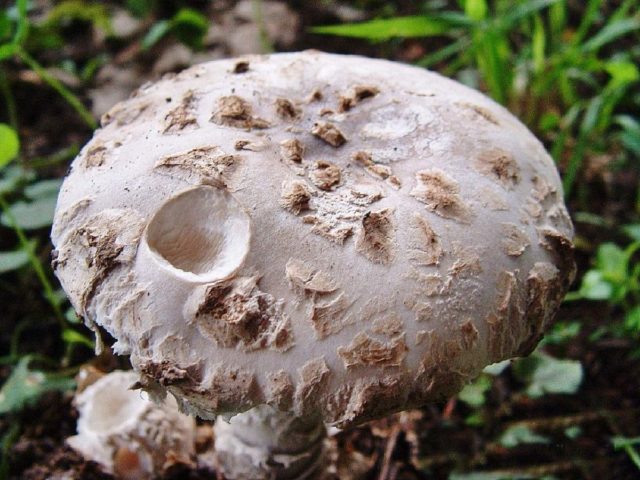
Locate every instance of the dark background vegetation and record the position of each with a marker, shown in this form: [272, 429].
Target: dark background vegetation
[567, 68]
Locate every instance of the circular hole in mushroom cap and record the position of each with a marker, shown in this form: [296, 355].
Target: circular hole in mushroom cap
[202, 234]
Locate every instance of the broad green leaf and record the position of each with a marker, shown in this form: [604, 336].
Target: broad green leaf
[9, 144]
[632, 231]
[43, 188]
[32, 215]
[13, 260]
[595, 287]
[190, 27]
[632, 319]
[385, 29]
[612, 261]
[622, 73]
[474, 393]
[24, 386]
[12, 177]
[7, 51]
[5, 26]
[520, 435]
[544, 374]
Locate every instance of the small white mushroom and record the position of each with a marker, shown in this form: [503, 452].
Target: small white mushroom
[127, 434]
[332, 236]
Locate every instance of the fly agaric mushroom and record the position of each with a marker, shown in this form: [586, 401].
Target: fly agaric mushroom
[311, 239]
[128, 435]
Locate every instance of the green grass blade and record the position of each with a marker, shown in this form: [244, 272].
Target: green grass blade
[589, 16]
[611, 32]
[538, 44]
[385, 29]
[57, 85]
[524, 10]
[22, 29]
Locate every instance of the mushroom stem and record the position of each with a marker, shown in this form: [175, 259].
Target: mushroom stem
[264, 443]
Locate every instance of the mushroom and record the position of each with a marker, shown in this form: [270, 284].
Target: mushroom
[128, 435]
[312, 239]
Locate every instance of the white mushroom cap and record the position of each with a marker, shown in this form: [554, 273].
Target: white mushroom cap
[127, 434]
[317, 232]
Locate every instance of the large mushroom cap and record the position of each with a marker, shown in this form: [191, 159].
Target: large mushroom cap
[317, 232]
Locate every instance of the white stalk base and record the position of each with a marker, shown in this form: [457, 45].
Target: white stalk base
[266, 444]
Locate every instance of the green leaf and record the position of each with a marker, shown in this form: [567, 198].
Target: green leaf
[5, 26]
[78, 10]
[524, 9]
[7, 51]
[520, 435]
[190, 27]
[476, 10]
[385, 29]
[13, 260]
[24, 386]
[43, 188]
[538, 44]
[31, 215]
[544, 374]
[9, 144]
[155, 33]
[633, 231]
[622, 73]
[611, 32]
[612, 261]
[140, 8]
[562, 332]
[632, 319]
[12, 177]
[496, 369]
[22, 29]
[73, 337]
[473, 394]
[573, 432]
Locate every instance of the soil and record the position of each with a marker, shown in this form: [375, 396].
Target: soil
[423, 444]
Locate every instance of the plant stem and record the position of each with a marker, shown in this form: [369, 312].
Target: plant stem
[57, 85]
[5, 89]
[35, 262]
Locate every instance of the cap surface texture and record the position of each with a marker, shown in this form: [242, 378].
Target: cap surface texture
[321, 233]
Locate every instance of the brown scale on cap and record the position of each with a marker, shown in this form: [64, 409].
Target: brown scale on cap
[280, 390]
[356, 95]
[124, 114]
[425, 243]
[238, 315]
[313, 379]
[292, 150]
[234, 111]
[481, 112]
[305, 279]
[500, 166]
[390, 325]
[295, 196]
[329, 133]
[367, 351]
[96, 156]
[515, 240]
[204, 165]
[287, 110]
[374, 169]
[441, 194]
[376, 236]
[182, 116]
[325, 175]
[329, 317]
